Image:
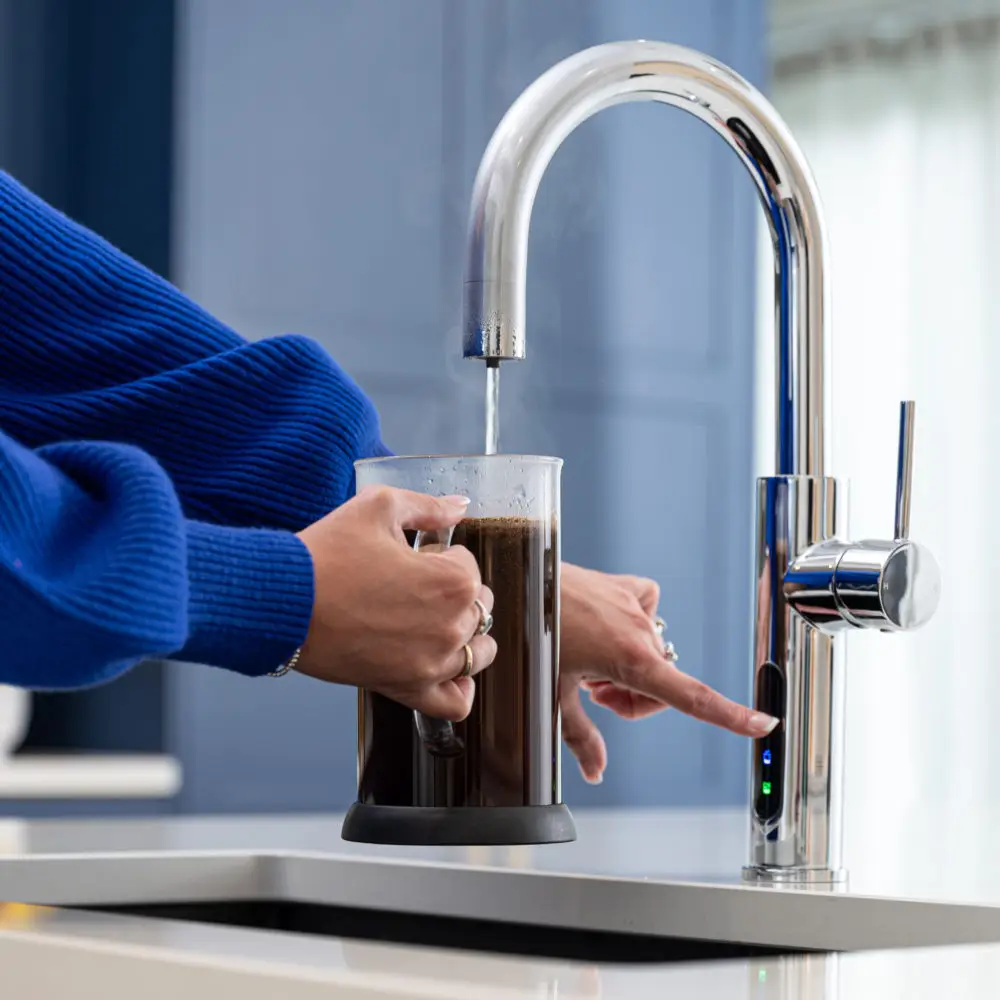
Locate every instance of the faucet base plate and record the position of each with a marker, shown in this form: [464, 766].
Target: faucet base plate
[794, 876]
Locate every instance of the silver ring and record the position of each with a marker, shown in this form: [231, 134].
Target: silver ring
[485, 618]
[467, 669]
[669, 653]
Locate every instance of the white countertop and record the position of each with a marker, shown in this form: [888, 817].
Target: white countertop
[690, 847]
[88, 955]
[89, 776]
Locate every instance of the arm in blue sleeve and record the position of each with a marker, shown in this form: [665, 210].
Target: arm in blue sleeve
[100, 569]
[93, 346]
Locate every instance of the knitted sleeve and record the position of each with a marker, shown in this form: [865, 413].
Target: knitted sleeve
[99, 569]
[93, 346]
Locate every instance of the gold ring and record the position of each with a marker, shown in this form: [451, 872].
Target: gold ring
[659, 625]
[467, 669]
[485, 618]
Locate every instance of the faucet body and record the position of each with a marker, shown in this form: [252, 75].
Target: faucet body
[810, 585]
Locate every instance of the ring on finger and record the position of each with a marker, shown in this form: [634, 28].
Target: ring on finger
[469, 661]
[659, 626]
[485, 618]
[669, 652]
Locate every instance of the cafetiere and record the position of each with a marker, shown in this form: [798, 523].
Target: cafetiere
[493, 778]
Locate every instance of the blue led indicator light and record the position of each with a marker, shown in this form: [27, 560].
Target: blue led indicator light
[767, 756]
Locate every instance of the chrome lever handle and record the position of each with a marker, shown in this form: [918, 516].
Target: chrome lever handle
[904, 469]
[892, 586]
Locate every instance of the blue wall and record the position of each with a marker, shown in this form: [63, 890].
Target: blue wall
[320, 165]
[325, 157]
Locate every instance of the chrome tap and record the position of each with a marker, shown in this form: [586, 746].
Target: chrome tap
[810, 584]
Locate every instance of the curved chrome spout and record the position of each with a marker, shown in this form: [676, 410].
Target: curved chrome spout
[597, 78]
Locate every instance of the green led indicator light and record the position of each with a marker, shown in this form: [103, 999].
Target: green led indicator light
[762, 975]
[766, 787]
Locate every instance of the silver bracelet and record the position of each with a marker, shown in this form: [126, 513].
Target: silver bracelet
[289, 664]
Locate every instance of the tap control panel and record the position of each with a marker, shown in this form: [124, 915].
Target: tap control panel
[769, 751]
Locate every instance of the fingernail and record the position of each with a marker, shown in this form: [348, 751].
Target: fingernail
[762, 723]
[457, 501]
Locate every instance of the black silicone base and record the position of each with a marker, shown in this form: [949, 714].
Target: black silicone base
[498, 825]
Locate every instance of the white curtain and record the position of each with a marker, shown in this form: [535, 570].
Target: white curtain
[904, 144]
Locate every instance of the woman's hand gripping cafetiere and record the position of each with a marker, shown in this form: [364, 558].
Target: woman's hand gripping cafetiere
[405, 624]
[613, 647]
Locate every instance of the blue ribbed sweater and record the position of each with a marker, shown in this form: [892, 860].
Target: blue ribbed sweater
[153, 465]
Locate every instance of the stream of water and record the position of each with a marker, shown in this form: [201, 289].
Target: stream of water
[492, 407]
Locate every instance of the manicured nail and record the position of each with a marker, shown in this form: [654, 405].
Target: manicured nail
[592, 779]
[762, 723]
[457, 501]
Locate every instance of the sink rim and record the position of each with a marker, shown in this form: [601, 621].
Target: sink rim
[764, 916]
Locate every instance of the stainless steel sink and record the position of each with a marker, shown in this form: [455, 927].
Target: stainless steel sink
[493, 936]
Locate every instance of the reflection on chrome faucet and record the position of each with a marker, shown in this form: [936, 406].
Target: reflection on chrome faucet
[795, 977]
[810, 584]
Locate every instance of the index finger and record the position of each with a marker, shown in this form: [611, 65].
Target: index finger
[404, 509]
[664, 682]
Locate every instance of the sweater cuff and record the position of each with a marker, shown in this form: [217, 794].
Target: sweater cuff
[250, 598]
